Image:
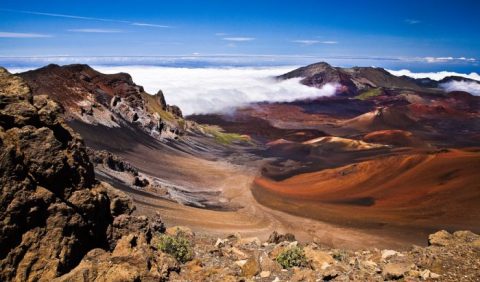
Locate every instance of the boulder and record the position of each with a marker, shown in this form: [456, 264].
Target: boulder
[276, 238]
[319, 260]
[133, 259]
[268, 264]
[388, 253]
[251, 267]
[395, 271]
[180, 230]
[441, 238]
[303, 275]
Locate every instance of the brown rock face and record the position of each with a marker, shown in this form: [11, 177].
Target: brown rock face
[70, 85]
[133, 259]
[52, 210]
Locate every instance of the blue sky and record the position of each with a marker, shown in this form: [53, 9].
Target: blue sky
[426, 34]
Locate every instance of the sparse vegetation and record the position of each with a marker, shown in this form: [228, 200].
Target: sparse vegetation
[340, 255]
[223, 137]
[177, 246]
[369, 94]
[294, 256]
[154, 107]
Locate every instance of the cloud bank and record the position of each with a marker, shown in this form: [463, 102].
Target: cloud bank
[467, 86]
[433, 75]
[210, 90]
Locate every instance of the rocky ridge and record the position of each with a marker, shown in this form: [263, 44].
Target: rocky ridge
[111, 100]
[52, 209]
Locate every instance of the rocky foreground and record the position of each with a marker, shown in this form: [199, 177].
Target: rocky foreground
[57, 222]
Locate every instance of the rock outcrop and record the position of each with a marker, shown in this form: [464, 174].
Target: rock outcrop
[111, 100]
[52, 209]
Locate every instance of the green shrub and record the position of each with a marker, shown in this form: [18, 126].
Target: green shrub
[294, 256]
[177, 246]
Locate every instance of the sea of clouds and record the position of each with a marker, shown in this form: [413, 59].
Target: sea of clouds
[210, 90]
[467, 86]
[221, 89]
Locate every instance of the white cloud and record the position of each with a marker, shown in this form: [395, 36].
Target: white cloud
[207, 90]
[151, 25]
[239, 39]
[306, 41]
[311, 42]
[22, 35]
[329, 42]
[434, 75]
[412, 21]
[467, 86]
[83, 18]
[95, 30]
[447, 59]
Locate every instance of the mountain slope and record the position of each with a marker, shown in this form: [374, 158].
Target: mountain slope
[352, 80]
[112, 100]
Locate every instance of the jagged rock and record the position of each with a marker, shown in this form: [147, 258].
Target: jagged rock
[251, 267]
[175, 110]
[52, 210]
[160, 99]
[220, 243]
[133, 259]
[111, 161]
[319, 260]
[265, 274]
[394, 271]
[427, 274]
[140, 182]
[303, 275]
[180, 230]
[388, 253]
[276, 238]
[369, 266]
[236, 253]
[120, 203]
[440, 238]
[268, 264]
[248, 241]
[126, 224]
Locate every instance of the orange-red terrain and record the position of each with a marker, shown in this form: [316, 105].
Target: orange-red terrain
[423, 191]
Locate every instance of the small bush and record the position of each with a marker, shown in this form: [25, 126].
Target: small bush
[291, 257]
[340, 255]
[177, 246]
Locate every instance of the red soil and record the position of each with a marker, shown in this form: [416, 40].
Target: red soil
[418, 190]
